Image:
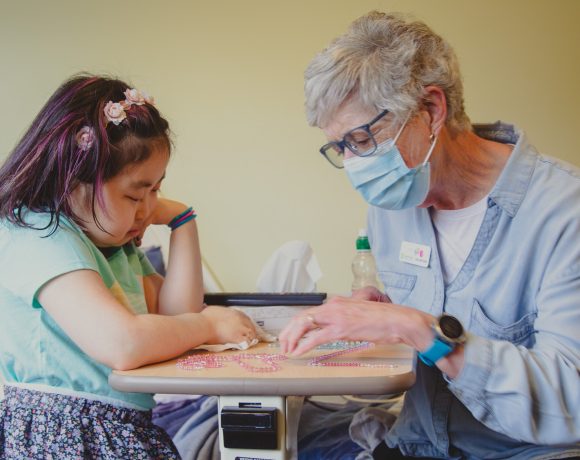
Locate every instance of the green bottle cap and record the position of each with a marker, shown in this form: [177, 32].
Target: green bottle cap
[362, 242]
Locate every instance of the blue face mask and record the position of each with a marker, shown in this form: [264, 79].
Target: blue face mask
[384, 180]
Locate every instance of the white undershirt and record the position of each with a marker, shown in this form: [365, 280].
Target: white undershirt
[456, 231]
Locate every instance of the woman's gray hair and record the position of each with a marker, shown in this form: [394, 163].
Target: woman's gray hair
[384, 62]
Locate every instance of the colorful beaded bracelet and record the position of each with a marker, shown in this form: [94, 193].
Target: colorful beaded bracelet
[182, 218]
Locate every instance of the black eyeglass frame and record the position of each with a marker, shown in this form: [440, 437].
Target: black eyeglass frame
[344, 143]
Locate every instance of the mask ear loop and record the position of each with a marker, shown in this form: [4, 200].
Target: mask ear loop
[433, 138]
[401, 129]
[393, 142]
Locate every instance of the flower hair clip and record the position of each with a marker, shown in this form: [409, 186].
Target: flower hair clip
[115, 112]
[85, 138]
[134, 96]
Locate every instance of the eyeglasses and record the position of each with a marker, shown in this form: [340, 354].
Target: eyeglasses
[359, 141]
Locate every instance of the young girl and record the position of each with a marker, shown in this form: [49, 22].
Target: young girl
[77, 191]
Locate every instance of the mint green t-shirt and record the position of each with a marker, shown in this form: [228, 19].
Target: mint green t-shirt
[34, 350]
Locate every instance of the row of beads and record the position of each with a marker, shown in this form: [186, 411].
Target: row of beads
[323, 360]
[198, 362]
[336, 345]
[212, 361]
[266, 358]
[351, 364]
[339, 345]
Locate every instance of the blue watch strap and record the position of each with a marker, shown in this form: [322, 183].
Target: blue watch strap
[436, 351]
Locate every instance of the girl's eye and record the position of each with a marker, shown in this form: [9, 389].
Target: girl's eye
[136, 200]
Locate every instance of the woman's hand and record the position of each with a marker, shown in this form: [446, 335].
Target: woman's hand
[370, 293]
[229, 325]
[347, 318]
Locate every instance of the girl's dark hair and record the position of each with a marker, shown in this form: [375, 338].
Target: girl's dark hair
[48, 162]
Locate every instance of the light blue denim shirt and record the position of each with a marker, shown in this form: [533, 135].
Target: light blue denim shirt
[518, 296]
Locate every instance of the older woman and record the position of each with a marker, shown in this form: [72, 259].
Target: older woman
[476, 237]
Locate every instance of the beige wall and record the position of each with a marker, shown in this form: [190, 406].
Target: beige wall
[228, 76]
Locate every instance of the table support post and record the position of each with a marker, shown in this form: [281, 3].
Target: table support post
[293, 411]
[288, 409]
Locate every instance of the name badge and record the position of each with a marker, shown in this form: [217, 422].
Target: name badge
[415, 254]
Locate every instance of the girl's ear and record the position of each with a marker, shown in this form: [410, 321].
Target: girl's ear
[435, 103]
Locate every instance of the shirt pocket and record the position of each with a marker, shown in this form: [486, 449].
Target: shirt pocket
[398, 286]
[520, 332]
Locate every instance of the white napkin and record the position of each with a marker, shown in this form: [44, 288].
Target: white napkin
[293, 267]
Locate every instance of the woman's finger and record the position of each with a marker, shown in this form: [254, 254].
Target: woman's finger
[300, 325]
[312, 340]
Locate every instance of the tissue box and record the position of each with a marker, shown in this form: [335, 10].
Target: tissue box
[271, 311]
[273, 318]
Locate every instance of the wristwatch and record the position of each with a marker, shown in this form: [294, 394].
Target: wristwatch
[448, 334]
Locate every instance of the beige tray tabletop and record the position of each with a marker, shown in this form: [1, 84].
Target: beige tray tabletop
[381, 369]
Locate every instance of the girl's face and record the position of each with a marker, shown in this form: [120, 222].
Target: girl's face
[129, 199]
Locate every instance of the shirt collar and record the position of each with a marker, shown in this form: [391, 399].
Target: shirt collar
[513, 182]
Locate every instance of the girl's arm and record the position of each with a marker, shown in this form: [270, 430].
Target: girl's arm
[181, 291]
[110, 333]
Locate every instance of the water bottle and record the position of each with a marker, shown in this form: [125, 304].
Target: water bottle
[364, 267]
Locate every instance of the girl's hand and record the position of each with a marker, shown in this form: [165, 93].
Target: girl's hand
[165, 211]
[162, 214]
[229, 325]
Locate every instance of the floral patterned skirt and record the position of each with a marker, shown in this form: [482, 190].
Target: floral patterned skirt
[38, 425]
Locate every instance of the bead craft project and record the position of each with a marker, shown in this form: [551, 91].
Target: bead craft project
[270, 361]
[212, 361]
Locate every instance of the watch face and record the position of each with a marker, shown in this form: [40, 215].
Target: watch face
[451, 327]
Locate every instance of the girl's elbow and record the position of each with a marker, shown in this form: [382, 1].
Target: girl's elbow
[124, 361]
[124, 354]
[121, 365]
